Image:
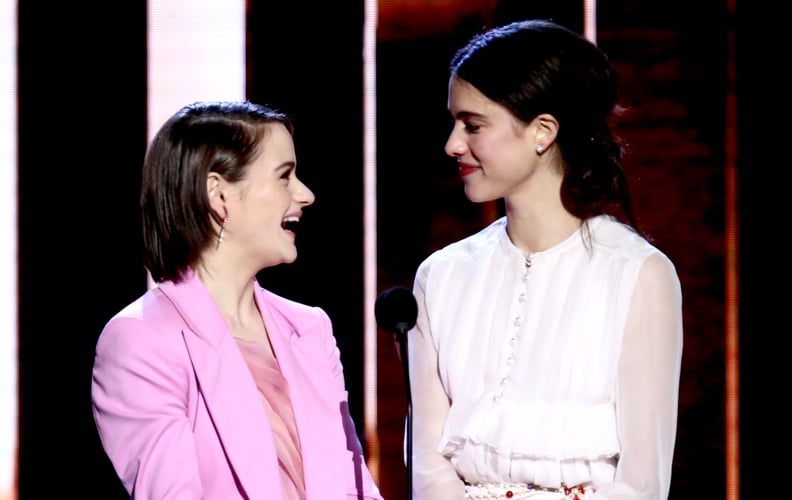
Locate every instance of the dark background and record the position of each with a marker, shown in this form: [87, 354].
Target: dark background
[82, 136]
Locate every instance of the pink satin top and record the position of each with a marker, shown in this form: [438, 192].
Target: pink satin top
[274, 391]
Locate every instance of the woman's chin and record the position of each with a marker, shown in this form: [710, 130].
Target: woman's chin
[478, 197]
[290, 258]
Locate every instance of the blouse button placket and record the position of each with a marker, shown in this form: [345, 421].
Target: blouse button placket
[514, 339]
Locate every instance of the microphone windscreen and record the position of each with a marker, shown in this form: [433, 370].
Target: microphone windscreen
[396, 309]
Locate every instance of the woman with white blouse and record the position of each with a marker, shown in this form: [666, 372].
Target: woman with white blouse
[546, 356]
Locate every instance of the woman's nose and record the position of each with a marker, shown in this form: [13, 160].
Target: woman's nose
[304, 195]
[455, 146]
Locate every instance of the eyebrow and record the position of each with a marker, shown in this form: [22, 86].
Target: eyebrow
[467, 114]
[290, 165]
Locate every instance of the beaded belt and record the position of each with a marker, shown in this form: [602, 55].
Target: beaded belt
[515, 491]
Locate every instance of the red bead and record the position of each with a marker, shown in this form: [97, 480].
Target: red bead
[509, 494]
[567, 491]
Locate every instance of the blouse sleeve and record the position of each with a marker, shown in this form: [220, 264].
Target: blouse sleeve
[434, 478]
[648, 385]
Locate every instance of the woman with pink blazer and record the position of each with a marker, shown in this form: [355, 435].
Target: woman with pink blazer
[209, 386]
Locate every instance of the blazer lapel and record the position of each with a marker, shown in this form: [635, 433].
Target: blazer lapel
[231, 396]
[322, 451]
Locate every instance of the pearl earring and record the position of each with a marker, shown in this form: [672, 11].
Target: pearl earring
[539, 149]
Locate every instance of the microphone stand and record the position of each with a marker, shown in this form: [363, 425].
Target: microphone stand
[397, 310]
[401, 338]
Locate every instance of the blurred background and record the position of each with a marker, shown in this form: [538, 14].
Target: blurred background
[700, 154]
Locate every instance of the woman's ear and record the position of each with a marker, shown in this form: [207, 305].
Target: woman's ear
[214, 191]
[545, 128]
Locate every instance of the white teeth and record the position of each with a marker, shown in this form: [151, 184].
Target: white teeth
[288, 222]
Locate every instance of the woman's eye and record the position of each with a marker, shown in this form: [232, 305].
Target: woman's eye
[470, 127]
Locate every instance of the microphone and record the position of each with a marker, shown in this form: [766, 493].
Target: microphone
[396, 311]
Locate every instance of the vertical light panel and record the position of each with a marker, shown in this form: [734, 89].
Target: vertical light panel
[8, 252]
[370, 236]
[196, 51]
[732, 406]
[590, 20]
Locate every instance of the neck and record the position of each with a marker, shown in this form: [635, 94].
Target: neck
[538, 230]
[233, 295]
[536, 217]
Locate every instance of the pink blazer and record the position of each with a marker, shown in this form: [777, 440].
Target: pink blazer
[179, 414]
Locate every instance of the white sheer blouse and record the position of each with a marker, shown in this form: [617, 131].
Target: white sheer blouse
[565, 371]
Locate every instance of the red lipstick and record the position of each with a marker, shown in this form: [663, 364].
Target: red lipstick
[466, 169]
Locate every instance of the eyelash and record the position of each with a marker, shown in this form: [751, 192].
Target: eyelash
[287, 175]
[469, 127]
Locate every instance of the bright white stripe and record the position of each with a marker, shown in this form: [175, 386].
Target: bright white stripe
[196, 51]
[590, 20]
[370, 237]
[8, 251]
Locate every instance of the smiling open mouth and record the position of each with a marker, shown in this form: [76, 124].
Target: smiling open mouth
[290, 223]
